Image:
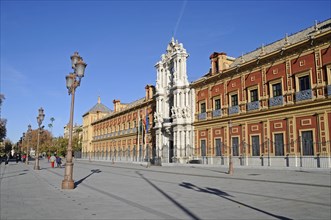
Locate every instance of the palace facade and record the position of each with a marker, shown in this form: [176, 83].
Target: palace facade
[269, 107]
[125, 133]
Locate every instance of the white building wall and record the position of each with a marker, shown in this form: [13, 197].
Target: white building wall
[174, 101]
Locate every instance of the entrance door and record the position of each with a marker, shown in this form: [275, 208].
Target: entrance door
[171, 151]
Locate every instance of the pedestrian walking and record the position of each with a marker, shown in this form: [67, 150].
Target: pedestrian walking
[6, 159]
[52, 159]
[58, 161]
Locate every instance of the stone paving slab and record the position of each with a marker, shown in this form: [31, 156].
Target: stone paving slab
[132, 191]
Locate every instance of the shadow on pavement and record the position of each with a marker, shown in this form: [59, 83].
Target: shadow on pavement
[226, 196]
[188, 212]
[20, 174]
[81, 180]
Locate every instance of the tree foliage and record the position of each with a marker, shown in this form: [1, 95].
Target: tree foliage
[3, 130]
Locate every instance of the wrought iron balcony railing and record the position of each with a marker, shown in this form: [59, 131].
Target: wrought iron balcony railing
[234, 109]
[303, 95]
[253, 105]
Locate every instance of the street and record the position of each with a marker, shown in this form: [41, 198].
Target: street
[132, 191]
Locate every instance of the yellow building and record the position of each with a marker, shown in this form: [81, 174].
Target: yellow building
[124, 134]
[97, 112]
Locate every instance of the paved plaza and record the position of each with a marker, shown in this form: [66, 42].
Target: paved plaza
[132, 191]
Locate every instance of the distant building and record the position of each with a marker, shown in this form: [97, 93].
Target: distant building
[125, 133]
[76, 130]
[97, 112]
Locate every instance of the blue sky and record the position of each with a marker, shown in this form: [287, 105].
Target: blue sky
[121, 41]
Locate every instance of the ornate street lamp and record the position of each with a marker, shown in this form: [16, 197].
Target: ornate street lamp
[40, 119]
[28, 135]
[23, 138]
[230, 150]
[72, 82]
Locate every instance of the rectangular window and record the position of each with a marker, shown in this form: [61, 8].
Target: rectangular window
[279, 144]
[304, 83]
[203, 148]
[202, 107]
[235, 146]
[255, 145]
[254, 95]
[218, 146]
[217, 104]
[276, 89]
[234, 100]
[307, 143]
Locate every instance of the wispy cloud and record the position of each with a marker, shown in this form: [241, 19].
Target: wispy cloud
[13, 79]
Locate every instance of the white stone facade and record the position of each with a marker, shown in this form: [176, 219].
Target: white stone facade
[175, 106]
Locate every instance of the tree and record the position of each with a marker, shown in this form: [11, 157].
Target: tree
[3, 130]
[50, 125]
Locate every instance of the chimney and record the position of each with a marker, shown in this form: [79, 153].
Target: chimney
[219, 62]
[149, 92]
[146, 92]
[117, 104]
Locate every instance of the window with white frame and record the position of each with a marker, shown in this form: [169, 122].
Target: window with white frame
[217, 107]
[202, 115]
[276, 93]
[234, 99]
[217, 103]
[202, 107]
[328, 78]
[303, 86]
[253, 98]
[253, 95]
[234, 103]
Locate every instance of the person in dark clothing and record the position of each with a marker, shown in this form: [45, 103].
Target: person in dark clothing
[58, 161]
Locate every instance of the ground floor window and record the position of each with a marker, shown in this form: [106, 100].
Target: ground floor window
[235, 146]
[279, 144]
[256, 145]
[203, 148]
[307, 143]
[218, 146]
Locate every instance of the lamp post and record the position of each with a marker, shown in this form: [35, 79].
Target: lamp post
[22, 146]
[40, 119]
[72, 82]
[230, 150]
[28, 135]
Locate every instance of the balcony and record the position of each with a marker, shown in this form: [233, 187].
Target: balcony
[234, 109]
[253, 105]
[303, 95]
[276, 101]
[329, 90]
[202, 116]
[217, 113]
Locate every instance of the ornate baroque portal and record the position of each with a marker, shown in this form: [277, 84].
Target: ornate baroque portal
[175, 106]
